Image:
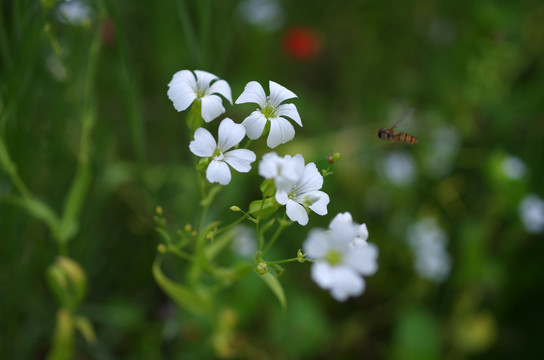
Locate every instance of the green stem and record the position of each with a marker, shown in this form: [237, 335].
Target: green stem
[230, 226]
[282, 225]
[283, 261]
[11, 169]
[181, 254]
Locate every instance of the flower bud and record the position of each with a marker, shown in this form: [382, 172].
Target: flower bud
[262, 268]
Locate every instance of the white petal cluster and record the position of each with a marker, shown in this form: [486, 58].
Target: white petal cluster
[428, 242]
[297, 185]
[186, 87]
[341, 257]
[270, 110]
[230, 134]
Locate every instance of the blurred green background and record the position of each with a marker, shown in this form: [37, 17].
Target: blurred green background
[474, 72]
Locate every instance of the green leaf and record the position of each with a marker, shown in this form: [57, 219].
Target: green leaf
[276, 287]
[211, 195]
[268, 188]
[74, 202]
[84, 326]
[40, 211]
[263, 208]
[218, 244]
[190, 300]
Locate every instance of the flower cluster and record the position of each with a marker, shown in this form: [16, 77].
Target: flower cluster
[297, 185]
[341, 254]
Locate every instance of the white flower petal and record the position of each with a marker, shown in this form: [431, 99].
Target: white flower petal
[204, 144]
[253, 93]
[240, 159]
[279, 94]
[346, 283]
[290, 111]
[254, 124]
[270, 165]
[316, 244]
[311, 179]
[341, 220]
[281, 131]
[282, 197]
[322, 274]
[230, 134]
[221, 87]
[212, 107]
[218, 171]
[363, 232]
[296, 212]
[182, 89]
[320, 206]
[340, 280]
[363, 259]
[204, 78]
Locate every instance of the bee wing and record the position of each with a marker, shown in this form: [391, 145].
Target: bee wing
[406, 115]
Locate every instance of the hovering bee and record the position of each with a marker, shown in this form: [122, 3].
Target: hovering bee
[392, 135]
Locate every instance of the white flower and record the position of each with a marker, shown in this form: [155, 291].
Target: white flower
[531, 211]
[399, 167]
[244, 242]
[338, 265]
[76, 13]
[268, 14]
[304, 193]
[271, 109]
[428, 242]
[186, 88]
[284, 170]
[514, 168]
[230, 134]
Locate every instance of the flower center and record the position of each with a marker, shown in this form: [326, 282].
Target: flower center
[309, 200]
[333, 257]
[218, 155]
[268, 111]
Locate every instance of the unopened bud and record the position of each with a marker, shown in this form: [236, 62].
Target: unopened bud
[158, 210]
[161, 249]
[235, 208]
[300, 256]
[262, 268]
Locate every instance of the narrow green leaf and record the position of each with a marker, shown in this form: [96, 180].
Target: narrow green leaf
[196, 303]
[211, 195]
[74, 202]
[276, 287]
[218, 244]
[84, 326]
[40, 211]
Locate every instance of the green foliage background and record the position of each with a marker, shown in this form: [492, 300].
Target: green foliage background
[472, 66]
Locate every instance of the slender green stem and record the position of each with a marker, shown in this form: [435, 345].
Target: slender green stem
[181, 254]
[283, 261]
[282, 225]
[230, 226]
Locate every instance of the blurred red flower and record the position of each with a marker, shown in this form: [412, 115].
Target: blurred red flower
[301, 43]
